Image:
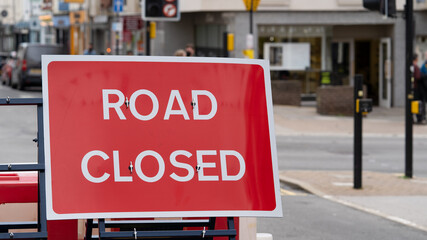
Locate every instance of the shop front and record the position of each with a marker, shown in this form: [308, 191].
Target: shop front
[315, 48]
[62, 25]
[133, 35]
[296, 53]
[330, 55]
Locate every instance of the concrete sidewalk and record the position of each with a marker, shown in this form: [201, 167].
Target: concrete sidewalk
[387, 195]
[291, 120]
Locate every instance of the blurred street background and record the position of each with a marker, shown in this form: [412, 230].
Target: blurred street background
[315, 48]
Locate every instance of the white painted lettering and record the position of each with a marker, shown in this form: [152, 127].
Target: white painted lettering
[138, 167]
[182, 111]
[204, 165]
[154, 100]
[85, 170]
[195, 95]
[177, 164]
[116, 106]
[116, 162]
[223, 157]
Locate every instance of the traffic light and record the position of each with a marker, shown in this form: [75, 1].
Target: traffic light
[160, 10]
[385, 7]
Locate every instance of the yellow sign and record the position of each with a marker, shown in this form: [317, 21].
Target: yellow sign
[254, 4]
[230, 42]
[152, 30]
[357, 105]
[78, 17]
[326, 78]
[415, 107]
[249, 53]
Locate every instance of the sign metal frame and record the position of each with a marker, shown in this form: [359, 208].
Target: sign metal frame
[52, 215]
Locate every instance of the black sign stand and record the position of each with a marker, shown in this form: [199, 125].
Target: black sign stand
[128, 229]
[160, 229]
[41, 224]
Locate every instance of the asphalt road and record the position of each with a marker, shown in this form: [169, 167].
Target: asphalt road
[381, 154]
[18, 128]
[309, 217]
[305, 216]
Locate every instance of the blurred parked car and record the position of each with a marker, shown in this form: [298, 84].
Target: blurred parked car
[28, 63]
[6, 71]
[3, 57]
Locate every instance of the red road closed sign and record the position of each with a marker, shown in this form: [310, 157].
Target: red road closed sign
[158, 137]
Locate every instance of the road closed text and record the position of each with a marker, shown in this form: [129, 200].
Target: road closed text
[225, 157]
[114, 107]
[174, 96]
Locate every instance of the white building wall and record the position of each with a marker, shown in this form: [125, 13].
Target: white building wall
[15, 10]
[287, 5]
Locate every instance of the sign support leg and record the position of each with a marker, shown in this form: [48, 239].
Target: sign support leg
[230, 223]
[89, 228]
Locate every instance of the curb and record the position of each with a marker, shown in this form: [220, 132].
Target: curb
[307, 187]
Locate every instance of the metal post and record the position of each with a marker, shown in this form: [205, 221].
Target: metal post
[117, 33]
[90, 17]
[212, 221]
[408, 88]
[42, 174]
[358, 94]
[230, 225]
[225, 44]
[101, 227]
[89, 228]
[2, 30]
[251, 13]
[147, 39]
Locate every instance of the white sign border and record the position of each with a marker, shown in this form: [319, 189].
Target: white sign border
[51, 215]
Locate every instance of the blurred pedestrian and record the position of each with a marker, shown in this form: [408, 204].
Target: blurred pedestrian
[90, 50]
[419, 90]
[180, 53]
[189, 49]
[424, 65]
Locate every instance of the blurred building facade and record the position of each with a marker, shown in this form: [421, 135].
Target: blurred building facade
[338, 37]
[303, 39]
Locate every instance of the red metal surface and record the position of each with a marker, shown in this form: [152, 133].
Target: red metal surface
[62, 230]
[22, 187]
[18, 187]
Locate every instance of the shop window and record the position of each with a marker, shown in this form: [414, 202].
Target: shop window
[312, 42]
[209, 40]
[310, 76]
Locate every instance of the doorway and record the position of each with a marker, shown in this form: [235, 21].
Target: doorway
[342, 61]
[385, 76]
[367, 64]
